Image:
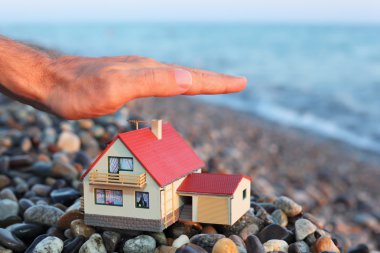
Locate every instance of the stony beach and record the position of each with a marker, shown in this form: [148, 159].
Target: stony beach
[308, 194]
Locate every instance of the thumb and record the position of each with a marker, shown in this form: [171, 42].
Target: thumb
[161, 82]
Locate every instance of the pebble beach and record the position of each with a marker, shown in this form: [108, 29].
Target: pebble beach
[308, 194]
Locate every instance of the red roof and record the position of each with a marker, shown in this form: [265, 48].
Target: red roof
[215, 184]
[165, 160]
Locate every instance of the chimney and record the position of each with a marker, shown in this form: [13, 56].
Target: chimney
[156, 126]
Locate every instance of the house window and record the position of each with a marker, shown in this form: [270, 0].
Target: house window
[142, 199]
[115, 164]
[108, 197]
[244, 193]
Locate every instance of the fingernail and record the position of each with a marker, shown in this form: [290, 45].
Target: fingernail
[183, 79]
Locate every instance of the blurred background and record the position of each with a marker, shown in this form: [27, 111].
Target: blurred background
[307, 125]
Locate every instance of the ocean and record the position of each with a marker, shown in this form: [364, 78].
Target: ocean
[320, 78]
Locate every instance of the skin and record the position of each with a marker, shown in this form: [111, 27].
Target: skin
[75, 87]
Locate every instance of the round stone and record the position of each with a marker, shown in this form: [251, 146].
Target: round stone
[140, 244]
[63, 169]
[165, 249]
[239, 243]
[208, 229]
[325, 244]
[79, 228]
[74, 244]
[254, 245]
[4, 181]
[34, 243]
[50, 244]
[190, 248]
[41, 190]
[66, 219]
[280, 218]
[10, 241]
[160, 237]
[225, 245]
[360, 248]
[43, 214]
[68, 142]
[26, 231]
[65, 195]
[272, 231]
[93, 245]
[110, 240]
[182, 240]
[7, 193]
[4, 250]
[299, 247]
[250, 229]
[276, 245]
[206, 241]
[8, 208]
[288, 206]
[304, 228]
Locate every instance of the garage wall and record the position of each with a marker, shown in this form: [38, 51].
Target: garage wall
[213, 210]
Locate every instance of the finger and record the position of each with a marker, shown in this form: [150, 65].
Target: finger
[207, 82]
[159, 82]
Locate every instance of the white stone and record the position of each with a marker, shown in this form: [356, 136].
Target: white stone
[183, 239]
[68, 142]
[304, 228]
[276, 245]
[93, 245]
[50, 244]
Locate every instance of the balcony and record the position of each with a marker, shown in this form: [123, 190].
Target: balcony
[111, 179]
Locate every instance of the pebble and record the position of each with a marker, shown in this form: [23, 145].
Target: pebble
[7, 193]
[250, 229]
[239, 243]
[93, 245]
[50, 244]
[68, 234]
[288, 206]
[165, 249]
[10, 241]
[10, 221]
[4, 181]
[206, 241]
[299, 247]
[26, 231]
[8, 208]
[63, 169]
[20, 161]
[225, 245]
[208, 229]
[4, 250]
[65, 195]
[304, 228]
[79, 228]
[254, 245]
[34, 243]
[21, 185]
[190, 248]
[73, 245]
[280, 218]
[182, 240]
[276, 245]
[273, 231]
[86, 123]
[43, 214]
[68, 142]
[140, 244]
[360, 248]
[41, 190]
[4, 164]
[65, 220]
[110, 240]
[160, 237]
[325, 244]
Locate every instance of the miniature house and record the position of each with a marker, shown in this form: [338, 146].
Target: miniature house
[149, 178]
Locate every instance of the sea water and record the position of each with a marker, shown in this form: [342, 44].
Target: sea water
[320, 78]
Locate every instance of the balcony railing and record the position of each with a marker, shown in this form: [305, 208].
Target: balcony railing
[130, 180]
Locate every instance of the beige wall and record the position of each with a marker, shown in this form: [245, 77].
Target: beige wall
[128, 209]
[238, 205]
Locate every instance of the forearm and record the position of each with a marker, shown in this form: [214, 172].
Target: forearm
[23, 71]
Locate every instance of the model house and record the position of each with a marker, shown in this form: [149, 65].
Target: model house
[149, 178]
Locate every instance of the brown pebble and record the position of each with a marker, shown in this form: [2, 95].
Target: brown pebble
[79, 228]
[4, 181]
[165, 249]
[325, 244]
[225, 245]
[66, 219]
[208, 229]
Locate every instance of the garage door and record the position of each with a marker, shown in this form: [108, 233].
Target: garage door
[213, 210]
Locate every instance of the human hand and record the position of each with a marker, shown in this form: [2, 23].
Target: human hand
[91, 87]
[76, 87]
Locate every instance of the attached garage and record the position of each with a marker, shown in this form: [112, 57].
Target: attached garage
[215, 198]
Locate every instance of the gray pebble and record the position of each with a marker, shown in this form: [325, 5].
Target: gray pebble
[8, 208]
[50, 244]
[43, 214]
[140, 244]
[93, 245]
